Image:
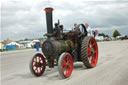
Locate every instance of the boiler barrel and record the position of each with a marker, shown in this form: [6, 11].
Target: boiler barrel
[56, 47]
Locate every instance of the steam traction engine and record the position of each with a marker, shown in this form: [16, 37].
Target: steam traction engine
[63, 48]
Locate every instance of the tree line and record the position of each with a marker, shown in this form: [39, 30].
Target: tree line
[115, 34]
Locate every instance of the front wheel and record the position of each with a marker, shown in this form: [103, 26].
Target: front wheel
[37, 65]
[65, 65]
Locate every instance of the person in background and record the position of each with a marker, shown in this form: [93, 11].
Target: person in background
[37, 46]
[89, 30]
[75, 26]
[32, 46]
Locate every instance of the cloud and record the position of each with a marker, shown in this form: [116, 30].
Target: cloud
[26, 18]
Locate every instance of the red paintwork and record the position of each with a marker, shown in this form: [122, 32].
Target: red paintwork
[92, 52]
[48, 9]
[67, 65]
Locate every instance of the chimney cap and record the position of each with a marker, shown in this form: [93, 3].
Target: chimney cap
[48, 9]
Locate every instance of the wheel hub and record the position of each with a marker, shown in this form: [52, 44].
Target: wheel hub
[40, 64]
[92, 52]
[68, 65]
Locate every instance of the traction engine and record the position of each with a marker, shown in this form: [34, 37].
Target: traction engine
[63, 48]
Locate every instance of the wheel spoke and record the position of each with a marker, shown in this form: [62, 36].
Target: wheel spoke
[37, 59]
[64, 65]
[94, 58]
[67, 70]
[89, 51]
[90, 59]
[93, 45]
[36, 64]
[89, 44]
[40, 59]
[38, 70]
[68, 61]
[34, 68]
[64, 62]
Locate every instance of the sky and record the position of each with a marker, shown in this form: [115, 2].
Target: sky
[26, 18]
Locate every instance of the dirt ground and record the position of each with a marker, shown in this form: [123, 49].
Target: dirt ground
[112, 68]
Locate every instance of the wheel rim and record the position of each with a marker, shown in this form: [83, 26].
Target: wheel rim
[92, 52]
[67, 65]
[38, 64]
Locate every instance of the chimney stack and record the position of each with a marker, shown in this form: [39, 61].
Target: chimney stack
[49, 19]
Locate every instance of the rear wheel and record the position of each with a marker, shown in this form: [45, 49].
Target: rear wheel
[89, 52]
[37, 65]
[65, 65]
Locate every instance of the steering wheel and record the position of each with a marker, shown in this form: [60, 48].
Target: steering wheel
[82, 29]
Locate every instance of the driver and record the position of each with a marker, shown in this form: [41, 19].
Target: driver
[76, 28]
